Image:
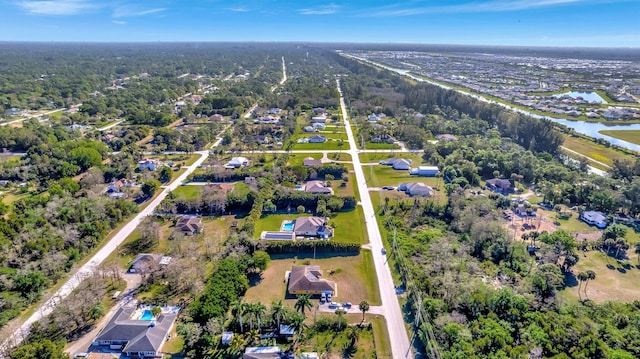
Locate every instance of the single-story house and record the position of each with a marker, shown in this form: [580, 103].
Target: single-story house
[317, 187]
[312, 227]
[317, 139]
[415, 189]
[237, 162]
[190, 225]
[399, 163]
[594, 218]
[384, 138]
[137, 337]
[274, 111]
[262, 353]
[148, 163]
[306, 280]
[216, 117]
[286, 330]
[311, 162]
[522, 211]
[319, 126]
[146, 262]
[425, 171]
[319, 119]
[372, 118]
[261, 139]
[500, 185]
[446, 137]
[319, 110]
[308, 129]
[114, 187]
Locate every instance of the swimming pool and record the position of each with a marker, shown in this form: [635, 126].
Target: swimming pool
[288, 226]
[146, 315]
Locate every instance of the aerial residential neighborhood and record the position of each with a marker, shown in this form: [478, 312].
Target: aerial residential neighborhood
[295, 201]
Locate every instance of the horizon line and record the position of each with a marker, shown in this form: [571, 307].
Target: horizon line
[308, 42]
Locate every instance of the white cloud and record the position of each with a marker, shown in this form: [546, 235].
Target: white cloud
[320, 10]
[56, 7]
[118, 22]
[471, 7]
[239, 9]
[131, 11]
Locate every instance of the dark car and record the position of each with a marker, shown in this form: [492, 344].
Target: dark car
[388, 188]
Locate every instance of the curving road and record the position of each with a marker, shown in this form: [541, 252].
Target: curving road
[400, 345]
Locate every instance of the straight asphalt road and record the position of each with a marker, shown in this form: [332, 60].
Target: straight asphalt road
[400, 345]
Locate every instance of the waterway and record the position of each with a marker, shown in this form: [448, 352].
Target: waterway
[590, 129]
[587, 96]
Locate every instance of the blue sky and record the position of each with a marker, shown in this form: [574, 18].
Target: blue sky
[599, 23]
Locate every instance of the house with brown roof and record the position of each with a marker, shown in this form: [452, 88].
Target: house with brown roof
[500, 185]
[226, 187]
[307, 280]
[317, 187]
[190, 225]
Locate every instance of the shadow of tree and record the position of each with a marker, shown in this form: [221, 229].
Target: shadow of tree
[349, 350]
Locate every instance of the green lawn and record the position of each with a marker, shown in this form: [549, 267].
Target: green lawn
[380, 146]
[188, 192]
[354, 275]
[346, 230]
[379, 175]
[632, 136]
[184, 160]
[296, 159]
[370, 157]
[592, 150]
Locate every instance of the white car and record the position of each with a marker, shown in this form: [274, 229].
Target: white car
[334, 305]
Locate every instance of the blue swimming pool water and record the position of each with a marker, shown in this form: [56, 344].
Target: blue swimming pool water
[146, 315]
[288, 226]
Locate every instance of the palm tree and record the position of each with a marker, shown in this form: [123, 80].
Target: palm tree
[303, 302]
[259, 310]
[250, 308]
[277, 312]
[237, 310]
[297, 324]
[353, 333]
[591, 275]
[620, 244]
[364, 307]
[582, 276]
[340, 313]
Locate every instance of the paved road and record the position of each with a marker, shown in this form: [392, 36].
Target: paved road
[35, 116]
[400, 345]
[111, 125]
[92, 265]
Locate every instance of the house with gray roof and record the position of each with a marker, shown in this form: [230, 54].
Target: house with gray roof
[307, 280]
[138, 338]
[317, 187]
[398, 163]
[312, 227]
[415, 189]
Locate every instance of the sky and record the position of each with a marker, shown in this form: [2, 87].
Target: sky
[563, 23]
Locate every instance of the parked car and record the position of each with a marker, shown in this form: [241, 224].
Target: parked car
[388, 188]
[384, 251]
[323, 298]
[334, 305]
[329, 297]
[346, 305]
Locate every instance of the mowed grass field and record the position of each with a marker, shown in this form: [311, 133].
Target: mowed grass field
[369, 157]
[354, 275]
[592, 150]
[615, 279]
[349, 227]
[632, 136]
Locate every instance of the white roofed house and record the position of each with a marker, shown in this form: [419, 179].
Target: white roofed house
[398, 163]
[237, 162]
[415, 189]
[148, 163]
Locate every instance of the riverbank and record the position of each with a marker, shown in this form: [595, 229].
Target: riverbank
[632, 136]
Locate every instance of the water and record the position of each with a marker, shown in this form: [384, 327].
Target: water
[590, 129]
[146, 315]
[587, 96]
[288, 226]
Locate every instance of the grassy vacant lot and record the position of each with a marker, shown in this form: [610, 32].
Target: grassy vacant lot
[188, 192]
[371, 344]
[349, 226]
[185, 160]
[354, 275]
[615, 280]
[380, 146]
[378, 176]
[593, 150]
[369, 157]
[632, 136]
